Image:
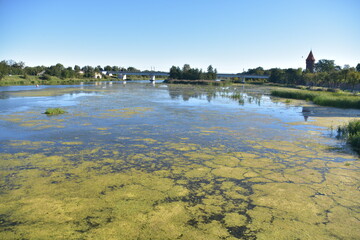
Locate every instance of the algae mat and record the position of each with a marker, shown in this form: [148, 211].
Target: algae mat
[173, 169]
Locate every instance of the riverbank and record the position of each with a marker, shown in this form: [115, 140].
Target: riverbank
[23, 80]
[16, 80]
[338, 99]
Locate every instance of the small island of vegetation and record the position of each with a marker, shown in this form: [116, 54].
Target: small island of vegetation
[54, 111]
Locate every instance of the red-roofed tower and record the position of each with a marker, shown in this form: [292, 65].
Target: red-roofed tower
[310, 62]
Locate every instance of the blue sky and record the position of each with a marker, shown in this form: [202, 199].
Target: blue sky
[232, 35]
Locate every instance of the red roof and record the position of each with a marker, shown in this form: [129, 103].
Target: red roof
[310, 57]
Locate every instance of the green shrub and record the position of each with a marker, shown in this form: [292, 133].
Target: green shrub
[46, 77]
[54, 111]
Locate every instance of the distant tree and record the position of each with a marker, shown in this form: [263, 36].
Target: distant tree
[277, 75]
[88, 71]
[15, 68]
[108, 68]
[19, 65]
[188, 73]
[309, 78]
[175, 73]
[211, 73]
[325, 65]
[358, 67]
[115, 68]
[67, 73]
[98, 68]
[4, 69]
[354, 79]
[186, 68]
[34, 70]
[132, 69]
[293, 76]
[256, 71]
[46, 77]
[55, 70]
[77, 68]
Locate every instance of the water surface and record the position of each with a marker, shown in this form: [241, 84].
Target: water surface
[139, 161]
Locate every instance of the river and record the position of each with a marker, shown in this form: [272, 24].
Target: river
[157, 161]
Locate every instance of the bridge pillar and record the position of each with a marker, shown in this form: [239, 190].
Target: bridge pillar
[122, 76]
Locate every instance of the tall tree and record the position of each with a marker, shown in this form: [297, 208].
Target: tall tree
[115, 68]
[88, 71]
[354, 79]
[358, 67]
[325, 65]
[107, 68]
[132, 69]
[4, 69]
[175, 73]
[186, 68]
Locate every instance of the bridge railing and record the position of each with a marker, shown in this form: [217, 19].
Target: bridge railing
[140, 73]
[228, 75]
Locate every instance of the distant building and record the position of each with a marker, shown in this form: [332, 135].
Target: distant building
[106, 73]
[310, 62]
[41, 73]
[98, 75]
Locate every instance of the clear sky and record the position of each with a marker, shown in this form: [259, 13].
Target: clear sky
[232, 35]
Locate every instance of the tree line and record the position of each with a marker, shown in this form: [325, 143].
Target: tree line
[188, 73]
[326, 74]
[10, 67]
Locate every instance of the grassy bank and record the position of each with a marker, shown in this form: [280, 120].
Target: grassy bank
[33, 80]
[15, 80]
[330, 99]
[351, 133]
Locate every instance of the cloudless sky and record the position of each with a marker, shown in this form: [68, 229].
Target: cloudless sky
[232, 35]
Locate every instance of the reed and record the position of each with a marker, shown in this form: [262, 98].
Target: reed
[351, 133]
[330, 99]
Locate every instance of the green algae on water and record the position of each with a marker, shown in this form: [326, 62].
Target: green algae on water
[144, 181]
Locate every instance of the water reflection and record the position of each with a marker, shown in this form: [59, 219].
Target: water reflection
[186, 93]
[211, 93]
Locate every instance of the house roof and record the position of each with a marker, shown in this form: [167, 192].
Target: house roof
[310, 57]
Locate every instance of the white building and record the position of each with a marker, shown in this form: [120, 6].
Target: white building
[98, 75]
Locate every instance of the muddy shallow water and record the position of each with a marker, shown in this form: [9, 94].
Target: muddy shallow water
[138, 161]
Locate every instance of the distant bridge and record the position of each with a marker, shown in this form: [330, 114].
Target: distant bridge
[122, 75]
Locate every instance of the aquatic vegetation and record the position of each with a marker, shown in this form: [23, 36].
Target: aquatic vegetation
[337, 99]
[54, 111]
[217, 175]
[207, 199]
[351, 134]
[126, 112]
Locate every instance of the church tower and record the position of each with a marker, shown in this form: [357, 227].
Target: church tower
[310, 62]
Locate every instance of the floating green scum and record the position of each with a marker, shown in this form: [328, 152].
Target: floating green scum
[117, 169]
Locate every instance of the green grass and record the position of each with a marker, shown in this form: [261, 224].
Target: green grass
[351, 133]
[330, 99]
[33, 80]
[54, 111]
